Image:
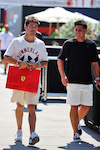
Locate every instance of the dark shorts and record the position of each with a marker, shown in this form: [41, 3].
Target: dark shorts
[2, 54]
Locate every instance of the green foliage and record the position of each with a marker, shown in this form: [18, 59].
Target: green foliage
[67, 31]
[97, 32]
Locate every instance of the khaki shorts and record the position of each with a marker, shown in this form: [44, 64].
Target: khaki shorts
[80, 94]
[25, 97]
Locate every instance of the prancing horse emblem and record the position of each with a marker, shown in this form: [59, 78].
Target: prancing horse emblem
[23, 78]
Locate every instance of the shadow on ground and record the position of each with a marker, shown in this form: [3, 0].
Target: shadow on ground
[20, 146]
[79, 145]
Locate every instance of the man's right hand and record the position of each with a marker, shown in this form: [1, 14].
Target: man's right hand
[24, 65]
[64, 80]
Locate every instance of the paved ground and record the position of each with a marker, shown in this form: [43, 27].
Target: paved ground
[53, 126]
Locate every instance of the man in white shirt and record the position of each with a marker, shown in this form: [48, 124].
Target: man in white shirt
[27, 51]
[5, 39]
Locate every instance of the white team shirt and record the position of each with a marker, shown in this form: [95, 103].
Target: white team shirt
[19, 48]
[5, 38]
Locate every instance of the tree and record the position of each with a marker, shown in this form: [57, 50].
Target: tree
[67, 31]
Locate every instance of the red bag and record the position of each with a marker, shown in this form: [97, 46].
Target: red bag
[23, 79]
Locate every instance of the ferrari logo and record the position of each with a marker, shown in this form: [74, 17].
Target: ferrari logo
[23, 78]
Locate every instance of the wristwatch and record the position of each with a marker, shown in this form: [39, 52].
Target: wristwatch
[97, 78]
[18, 62]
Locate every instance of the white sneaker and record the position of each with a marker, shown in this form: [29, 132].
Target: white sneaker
[18, 137]
[34, 138]
[76, 137]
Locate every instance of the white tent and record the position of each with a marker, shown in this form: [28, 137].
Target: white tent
[86, 18]
[60, 15]
[57, 15]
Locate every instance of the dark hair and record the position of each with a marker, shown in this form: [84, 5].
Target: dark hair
[82, 23]
[31, 19]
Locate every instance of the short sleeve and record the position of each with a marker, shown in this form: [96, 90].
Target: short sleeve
[94, 56]
[63, 54]
[43, 55]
